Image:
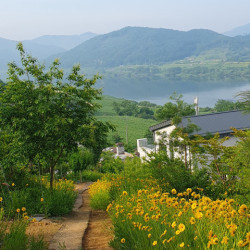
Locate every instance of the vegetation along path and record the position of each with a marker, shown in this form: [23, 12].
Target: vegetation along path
[74, 225]
[83, 228]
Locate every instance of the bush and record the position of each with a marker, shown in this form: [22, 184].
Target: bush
[100, 200]
[109, 164]
[99, 194]
[169, 171]
[89, 175]
[39, 198]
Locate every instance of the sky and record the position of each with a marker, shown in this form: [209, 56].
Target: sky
[28, 19]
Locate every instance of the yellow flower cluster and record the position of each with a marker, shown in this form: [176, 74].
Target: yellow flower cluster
[99, 186]
[185, 220]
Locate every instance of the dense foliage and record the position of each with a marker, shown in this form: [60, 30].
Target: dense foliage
[46, 117]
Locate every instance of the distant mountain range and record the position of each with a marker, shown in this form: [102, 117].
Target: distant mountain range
[146, 46]
[239, 31]
[142, 53]
[65, 42]
[41, 47]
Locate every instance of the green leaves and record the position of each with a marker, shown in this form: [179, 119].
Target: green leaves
[46, 114]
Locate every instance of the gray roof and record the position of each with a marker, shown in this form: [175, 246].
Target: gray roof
[213, 123]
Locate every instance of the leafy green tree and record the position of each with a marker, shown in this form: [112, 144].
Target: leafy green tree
[48, 114]
[225, 105]
[245, 100]
[145, 113]
[239, 160]
[80, 160]
[126, 108]
[177, 108]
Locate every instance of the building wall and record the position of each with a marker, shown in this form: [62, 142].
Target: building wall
[144, 149]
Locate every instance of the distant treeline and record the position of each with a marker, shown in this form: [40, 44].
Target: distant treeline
[187, 71]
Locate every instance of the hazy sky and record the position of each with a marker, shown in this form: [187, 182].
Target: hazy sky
[27, 19]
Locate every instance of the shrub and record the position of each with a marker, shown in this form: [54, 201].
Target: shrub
[172, 171]
[89, 175]
[99, 194]
[39, 198]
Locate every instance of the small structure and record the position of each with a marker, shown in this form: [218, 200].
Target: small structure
[208, 124]
[118, 151]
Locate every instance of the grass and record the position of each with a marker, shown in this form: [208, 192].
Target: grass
[136, 127]
[107, 105]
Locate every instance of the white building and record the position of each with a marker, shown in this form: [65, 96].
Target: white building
[208, 124]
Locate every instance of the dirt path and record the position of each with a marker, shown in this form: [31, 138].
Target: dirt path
[82, 229]
[98, 234]
[70, 234]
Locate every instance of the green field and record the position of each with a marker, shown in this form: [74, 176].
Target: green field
[107, 108]
[136, 128]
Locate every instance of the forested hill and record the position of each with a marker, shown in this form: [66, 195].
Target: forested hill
[137, 45]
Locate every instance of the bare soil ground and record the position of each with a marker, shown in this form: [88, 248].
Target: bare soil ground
[82, 228]
[46, 228]
[99, 232]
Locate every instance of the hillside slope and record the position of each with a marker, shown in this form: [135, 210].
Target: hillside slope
[136, 45]
[9, 52]
[65, 42]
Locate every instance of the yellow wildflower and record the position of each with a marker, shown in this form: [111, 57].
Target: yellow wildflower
[248, 237]
[241, 243]
[123, 240]
[194, 205]
[42, 199]
[124, 193]
[180, 214]
[34, 220]
[13, 184]
[1, 199]
[192, 220]
[181, 227]
[225, 240]
[154, 243]
[18, 210]
[210, 234]
[173, 224]
[198, 215]
[243, 209]
[23, 209]
[173, 191]
[182, 244]
[177, 232]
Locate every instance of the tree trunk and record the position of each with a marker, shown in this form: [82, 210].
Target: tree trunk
[80, 173]
[51, 177]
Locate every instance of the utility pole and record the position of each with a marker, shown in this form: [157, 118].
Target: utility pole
[196, 105]
[126, 129]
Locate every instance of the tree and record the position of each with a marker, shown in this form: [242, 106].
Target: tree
[177, 108]
[225, 105]
[126, 108]
[245, 100]
[80, 160]
[49, 114]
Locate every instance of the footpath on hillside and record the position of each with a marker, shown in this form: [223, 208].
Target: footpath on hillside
[83, 228]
